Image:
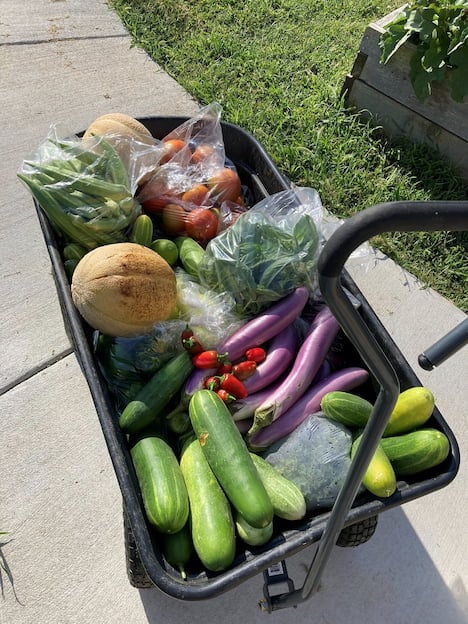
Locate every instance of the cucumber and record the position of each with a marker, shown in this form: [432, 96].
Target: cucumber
[142, 230]
[416, 451]
[346, 408]
[287, 499]
[162, 485]
[229, 458]
[379, 478]
[190, 254]
[413, 409]
[178, 549]
[211, 521]
[250, 535]
[152, 399]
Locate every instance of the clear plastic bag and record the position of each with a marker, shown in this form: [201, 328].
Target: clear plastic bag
[84, 189]
[191, 186]
[316, 457]
[267, 252]
[209, 314]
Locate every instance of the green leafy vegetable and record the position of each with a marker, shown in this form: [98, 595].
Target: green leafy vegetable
[267, 253]
[439, 31]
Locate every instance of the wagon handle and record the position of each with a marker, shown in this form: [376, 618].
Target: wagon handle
[402, 216]
[445, 347]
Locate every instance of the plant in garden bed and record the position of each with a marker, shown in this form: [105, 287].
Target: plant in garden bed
[439, 31]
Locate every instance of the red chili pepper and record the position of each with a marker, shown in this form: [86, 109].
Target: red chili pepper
[208, 359]
[186, 334]
[225, 396]
[226, 367]
[212, 383]
[233, 385]
[192, 345]
[244, 370]
[256, 354]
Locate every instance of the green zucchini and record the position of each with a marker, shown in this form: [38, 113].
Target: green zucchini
[250, 535]
[346, 408]
[155, 395]
[287, 499]
[229, 458]
[413, 409]
[211, 521]
[379, 478]
[419, 450]
[178, 548]
[162, 485]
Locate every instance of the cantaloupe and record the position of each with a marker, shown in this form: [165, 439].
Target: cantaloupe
[123, 289]
[118, 124]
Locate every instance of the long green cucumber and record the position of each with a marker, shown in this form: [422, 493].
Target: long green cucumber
[211, 521]
[229, 458]
[287, 499]
[152, 399]
[416, 451]
[161, 482]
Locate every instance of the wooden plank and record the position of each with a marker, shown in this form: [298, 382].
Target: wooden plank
[392, 79]
[398, 120]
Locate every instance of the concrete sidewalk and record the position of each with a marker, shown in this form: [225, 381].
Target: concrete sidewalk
[68, 61]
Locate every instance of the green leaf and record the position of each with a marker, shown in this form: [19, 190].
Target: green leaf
[391, 41]
[436, 53]
[458, 76]
[422, 79]
[422, 22]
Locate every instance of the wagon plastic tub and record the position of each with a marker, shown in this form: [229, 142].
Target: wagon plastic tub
[353, 517]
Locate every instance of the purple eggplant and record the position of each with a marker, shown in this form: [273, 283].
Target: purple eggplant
[245, 408]
[266, 325]
[344, 380]
[281, 352]
[309, 358]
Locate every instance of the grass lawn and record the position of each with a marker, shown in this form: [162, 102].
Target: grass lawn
[277, 69]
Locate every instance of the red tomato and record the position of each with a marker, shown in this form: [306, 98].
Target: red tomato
[174, 219]
[171, 148]
[196, 195]
[154, 195]
[225, 185]
[202, 152]
[202, 224]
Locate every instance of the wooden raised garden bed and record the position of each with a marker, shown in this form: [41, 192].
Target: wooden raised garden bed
[383, 94]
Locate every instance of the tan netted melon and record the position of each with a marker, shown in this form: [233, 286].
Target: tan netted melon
[118, 124]
[123, 289]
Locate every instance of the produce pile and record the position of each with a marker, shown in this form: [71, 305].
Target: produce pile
[227, 371]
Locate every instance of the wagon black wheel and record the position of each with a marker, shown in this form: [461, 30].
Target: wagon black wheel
[135, 571]
[358, 533]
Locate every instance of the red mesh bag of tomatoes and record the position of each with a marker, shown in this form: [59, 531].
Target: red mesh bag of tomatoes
[194, 190]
